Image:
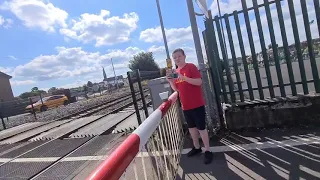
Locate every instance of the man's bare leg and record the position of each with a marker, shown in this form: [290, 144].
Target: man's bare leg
[195, 137]
[205, 139]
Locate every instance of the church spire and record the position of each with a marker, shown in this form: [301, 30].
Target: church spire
[104, 74]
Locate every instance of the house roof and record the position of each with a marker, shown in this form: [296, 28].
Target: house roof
[5, 75]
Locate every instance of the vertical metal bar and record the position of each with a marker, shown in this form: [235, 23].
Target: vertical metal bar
[135, 168]
[166, 143]
[312, 57]
[143, 99]
[274, 48]
[154, 150]
[253, 51]
[234, 58]
[213, 55]
[1, 114]
[298, 46]
[164, 156]
[114, 72]
[158, 148]
[33, 111]
[286, 48]
[263, 48]
[3, 124]
[133, 94]
[226, 61]
[317, 9]
[143, 166]
[243, 55]
[41, 99]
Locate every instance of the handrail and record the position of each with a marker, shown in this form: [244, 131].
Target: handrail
[115, 165]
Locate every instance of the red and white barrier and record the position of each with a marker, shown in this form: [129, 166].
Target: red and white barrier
[115, 165]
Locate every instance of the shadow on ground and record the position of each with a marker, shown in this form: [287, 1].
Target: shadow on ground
[276, 154]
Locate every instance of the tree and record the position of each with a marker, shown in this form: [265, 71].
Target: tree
[32, 93]
[34, 89]
[89, 84]
[143, 61]
[52, 89]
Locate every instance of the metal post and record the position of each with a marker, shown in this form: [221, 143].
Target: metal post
[197, 44]
[41, 99]
[1, 115]
[33, 111]
[134, 98]
[141, 94]
[162, 29]
[114, 72]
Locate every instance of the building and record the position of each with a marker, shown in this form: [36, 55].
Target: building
[6, 93]
[112, 81]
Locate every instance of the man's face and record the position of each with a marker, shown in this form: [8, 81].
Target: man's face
[179, 58]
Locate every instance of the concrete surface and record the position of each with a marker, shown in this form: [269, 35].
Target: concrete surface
[275, 112]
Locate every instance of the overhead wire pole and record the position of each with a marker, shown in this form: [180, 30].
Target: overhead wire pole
[114, 72]
[209, 94]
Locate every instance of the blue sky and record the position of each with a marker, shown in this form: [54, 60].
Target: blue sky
[64, 43]
[31, 29]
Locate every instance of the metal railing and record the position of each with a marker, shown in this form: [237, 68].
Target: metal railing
[251, 66]
[152, 151]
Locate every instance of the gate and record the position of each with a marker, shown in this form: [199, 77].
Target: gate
[259, 52]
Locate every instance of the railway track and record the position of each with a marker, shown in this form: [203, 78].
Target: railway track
[77, 115]
[98, 107]
[66, 151]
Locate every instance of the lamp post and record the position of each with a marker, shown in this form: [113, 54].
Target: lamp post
[163, 31]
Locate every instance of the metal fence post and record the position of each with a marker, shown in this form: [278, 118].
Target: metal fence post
[41, 99]
[142, 94]
[1, 115]
[134, 98]
[33, 111]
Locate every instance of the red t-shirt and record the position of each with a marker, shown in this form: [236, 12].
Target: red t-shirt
[190, 95]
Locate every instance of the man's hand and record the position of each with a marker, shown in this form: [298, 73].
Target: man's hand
[170, 79]
[169, 75]
[181, 77]
[196, 82]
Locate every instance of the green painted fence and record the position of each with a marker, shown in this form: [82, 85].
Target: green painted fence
[232, 71]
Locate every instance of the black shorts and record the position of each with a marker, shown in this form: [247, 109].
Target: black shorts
[196, 118]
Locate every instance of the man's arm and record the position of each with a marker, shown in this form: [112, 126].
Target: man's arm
[195, 78]
[196, 82]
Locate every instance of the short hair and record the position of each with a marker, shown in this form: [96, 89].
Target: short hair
[179, 50]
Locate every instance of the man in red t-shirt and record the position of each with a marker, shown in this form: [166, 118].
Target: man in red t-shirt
[188, 84]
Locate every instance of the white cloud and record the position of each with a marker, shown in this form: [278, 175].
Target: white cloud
[37, 14]
[22, 82]
[174, 35]
[12, 57]
[5, 22]
[1, 20]
[74, 62]
[102, 28]
[7, 70]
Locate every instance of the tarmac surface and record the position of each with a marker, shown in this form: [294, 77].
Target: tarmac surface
[277, 154]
